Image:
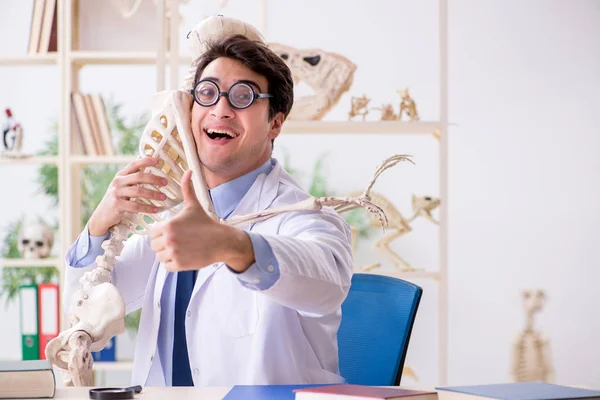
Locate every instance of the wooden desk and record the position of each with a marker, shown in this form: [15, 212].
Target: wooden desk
[189, 393]
[153, 393]
[163, 393]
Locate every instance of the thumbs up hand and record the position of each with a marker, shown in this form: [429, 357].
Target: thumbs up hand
[193, 240]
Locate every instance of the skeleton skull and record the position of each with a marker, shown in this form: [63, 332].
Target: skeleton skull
[533, 300]
[425, 203]
[36, 239]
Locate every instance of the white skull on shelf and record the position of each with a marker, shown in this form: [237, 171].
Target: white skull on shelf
[36, 239]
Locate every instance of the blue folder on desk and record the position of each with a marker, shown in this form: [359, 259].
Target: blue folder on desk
[525, 391]
[261, 392]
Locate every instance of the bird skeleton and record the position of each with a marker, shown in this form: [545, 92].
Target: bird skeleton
[97, 309]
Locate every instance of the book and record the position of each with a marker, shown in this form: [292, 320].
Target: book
[36, 26]
[28, 307]
[48, 35]
[49, 315]
[27, 379]
[361, 392]
[518, 391]
[271, 392]
[108, 353]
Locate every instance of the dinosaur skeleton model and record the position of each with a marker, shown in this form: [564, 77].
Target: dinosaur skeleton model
[329, 74]
[97, 309]
[407, 106]
[531, 349]
[358, 106]
[422, 207]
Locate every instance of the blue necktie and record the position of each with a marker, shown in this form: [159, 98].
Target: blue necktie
[182, 376]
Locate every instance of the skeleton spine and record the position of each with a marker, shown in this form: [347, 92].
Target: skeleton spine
[106, 262]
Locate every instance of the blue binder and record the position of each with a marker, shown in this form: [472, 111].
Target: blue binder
[108, 353]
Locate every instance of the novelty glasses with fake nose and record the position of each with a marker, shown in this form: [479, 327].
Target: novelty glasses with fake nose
[240, 95]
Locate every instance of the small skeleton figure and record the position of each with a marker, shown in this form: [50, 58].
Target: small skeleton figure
[36, 239]
[12, 135]
[408, 106]
[531, 350]
[358, 104]
[387, 112]
[422, 207]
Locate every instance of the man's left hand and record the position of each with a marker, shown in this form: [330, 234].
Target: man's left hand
[193, 240]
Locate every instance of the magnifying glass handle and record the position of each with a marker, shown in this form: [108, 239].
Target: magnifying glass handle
[136, 388]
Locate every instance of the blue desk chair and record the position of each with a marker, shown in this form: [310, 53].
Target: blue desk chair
[377, 319]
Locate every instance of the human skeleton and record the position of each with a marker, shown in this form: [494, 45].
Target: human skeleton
[97, 309]
[531, 349]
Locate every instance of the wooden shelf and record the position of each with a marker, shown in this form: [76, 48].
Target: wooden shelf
[409, 127]
[119, 58]
[112, 365]
[85, 160]
[30, 160]
[21, 262]
[37, 59]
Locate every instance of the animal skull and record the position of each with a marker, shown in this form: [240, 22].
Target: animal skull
[329, 74]
[36, 239]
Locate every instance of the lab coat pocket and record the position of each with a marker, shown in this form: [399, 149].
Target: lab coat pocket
[236, 306]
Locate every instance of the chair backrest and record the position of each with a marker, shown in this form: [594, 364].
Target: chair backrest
[377, 319]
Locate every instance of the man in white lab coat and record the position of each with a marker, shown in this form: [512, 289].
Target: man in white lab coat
[222, 305]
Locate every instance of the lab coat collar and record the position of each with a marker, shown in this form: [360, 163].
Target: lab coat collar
[262, 192]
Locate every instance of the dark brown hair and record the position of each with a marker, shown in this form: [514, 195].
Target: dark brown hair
[260, 59]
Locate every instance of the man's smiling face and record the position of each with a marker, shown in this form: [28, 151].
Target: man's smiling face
[232, 142]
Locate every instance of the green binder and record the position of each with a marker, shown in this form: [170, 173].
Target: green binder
[30, 339]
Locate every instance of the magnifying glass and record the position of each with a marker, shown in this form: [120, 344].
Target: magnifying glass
[114, 393]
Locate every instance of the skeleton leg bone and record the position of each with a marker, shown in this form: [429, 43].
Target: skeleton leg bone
[383, 244]
[80, 359]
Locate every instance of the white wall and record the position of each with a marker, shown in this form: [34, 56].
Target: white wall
[523, 154]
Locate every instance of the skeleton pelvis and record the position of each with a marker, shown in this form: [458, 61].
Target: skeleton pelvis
[100, 311]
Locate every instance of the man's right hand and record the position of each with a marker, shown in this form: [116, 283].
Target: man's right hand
[123, 187]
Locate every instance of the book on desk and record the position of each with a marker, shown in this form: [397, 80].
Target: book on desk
[27, 379]
[518, 391]
[325, 391]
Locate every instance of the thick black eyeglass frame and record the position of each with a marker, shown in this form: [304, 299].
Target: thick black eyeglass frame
[255, 95]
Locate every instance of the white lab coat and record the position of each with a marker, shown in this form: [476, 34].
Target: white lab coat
[285, 334]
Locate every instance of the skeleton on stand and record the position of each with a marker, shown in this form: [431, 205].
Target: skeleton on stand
[531, 349]
[97, 310]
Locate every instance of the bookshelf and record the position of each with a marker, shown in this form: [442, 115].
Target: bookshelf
[38, 59]
[70, 62]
